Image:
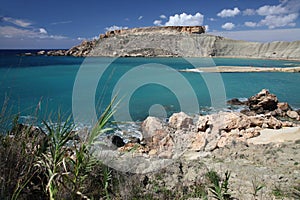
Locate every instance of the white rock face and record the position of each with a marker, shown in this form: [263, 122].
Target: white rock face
[172, 44]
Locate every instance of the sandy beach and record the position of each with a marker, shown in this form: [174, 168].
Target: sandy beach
[238, 69]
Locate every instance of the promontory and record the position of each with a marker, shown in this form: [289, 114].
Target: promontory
[178, 41]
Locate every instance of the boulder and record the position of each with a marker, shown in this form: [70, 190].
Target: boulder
[273, 123]
[235, 120]
[180, 121]
[150, 126]
[263, 102]
[235, 102]
[203, 123]
[283, 106]
[292, 114]
[198, 142]
[117, 141]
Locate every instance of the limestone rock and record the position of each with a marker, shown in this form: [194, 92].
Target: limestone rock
[263, 102]
[198, 142]
[150, 126]
[292, 114]
[273, 123]
[283, 106]
[180, 120]
[203, 123]
[235, 101]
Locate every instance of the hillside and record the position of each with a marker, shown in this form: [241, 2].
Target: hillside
[179, 41]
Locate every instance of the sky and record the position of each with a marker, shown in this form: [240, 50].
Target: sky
[36, 24]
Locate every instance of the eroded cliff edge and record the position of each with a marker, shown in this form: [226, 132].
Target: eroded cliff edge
[179, 41]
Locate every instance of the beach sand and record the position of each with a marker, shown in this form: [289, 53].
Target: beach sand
[287, 134]
[235, 69]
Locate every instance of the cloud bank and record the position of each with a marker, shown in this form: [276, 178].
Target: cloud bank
[182, 19]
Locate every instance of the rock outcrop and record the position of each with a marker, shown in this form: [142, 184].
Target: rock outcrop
[155, 29]
[179, 41]
[207, 133]
[266, 103]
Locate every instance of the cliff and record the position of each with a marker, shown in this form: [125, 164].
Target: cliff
[180, 41]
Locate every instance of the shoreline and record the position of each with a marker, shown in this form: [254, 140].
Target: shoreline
[242, 69]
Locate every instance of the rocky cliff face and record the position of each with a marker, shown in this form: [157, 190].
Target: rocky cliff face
[180, 41]
[156, 29]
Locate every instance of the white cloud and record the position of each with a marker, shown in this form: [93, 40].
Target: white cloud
[271, 10]
[163, 17]
[249, 12]
[114, 27]
[228, 26]
[18, 22]
[206, 28]
[140, 17]
[250, 24]
[229, 12]
[185, 20]
[61, 22]
[281, 15]
[157, 22]
[273, 21]
[212, 19]
[14, 32]
[262, 35]
[43, 31]
[84, 38]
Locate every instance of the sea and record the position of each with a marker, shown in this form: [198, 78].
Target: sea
[37, 88]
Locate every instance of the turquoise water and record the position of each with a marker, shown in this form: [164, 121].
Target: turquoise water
[45, 85]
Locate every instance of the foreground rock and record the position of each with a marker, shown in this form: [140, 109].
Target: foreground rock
[257, 148]
[208, 133]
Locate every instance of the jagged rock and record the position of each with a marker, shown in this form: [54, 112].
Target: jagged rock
[180, 120]
[251, 132]
[262, 102]
[283, 106]
[273, 123]
[287, 124]
[256, 121]
[236, 102]
[198, 142]
[203, 123]
[117, 140]
[150, 126]
[235, 121]
[292, 114]
[167, 142]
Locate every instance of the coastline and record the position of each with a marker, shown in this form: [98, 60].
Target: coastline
[242, 69]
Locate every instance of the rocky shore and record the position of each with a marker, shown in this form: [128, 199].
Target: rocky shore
[210, 132]
[258, 145]
[256, 149]
[177, 41]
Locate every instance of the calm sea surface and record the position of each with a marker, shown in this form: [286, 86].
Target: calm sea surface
[37, 86]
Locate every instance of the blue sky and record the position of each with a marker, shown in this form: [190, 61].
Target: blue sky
[62, 24]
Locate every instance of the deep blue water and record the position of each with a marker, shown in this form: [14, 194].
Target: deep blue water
[41, 85]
